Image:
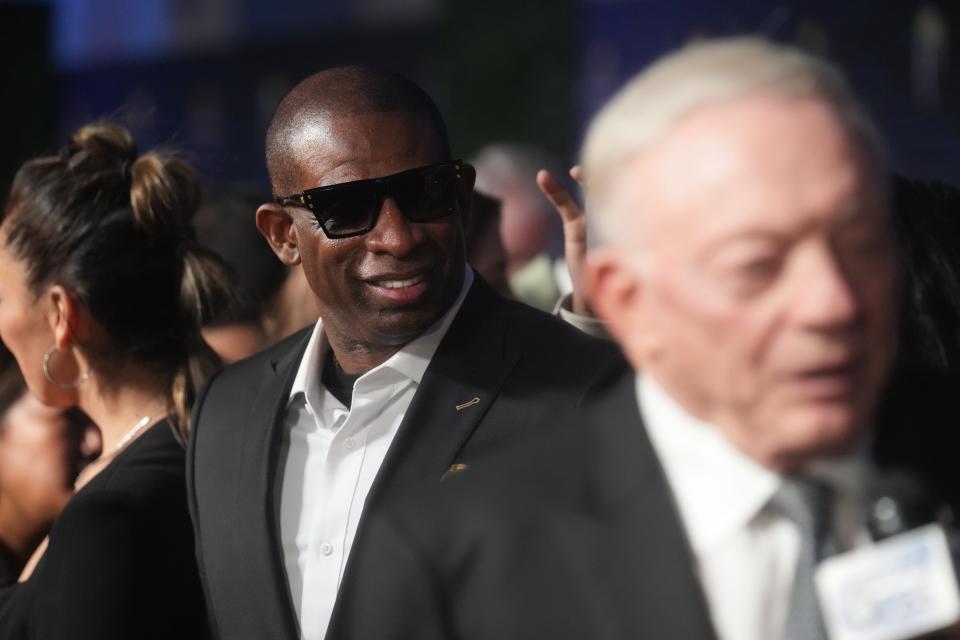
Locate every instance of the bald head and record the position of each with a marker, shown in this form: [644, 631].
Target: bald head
[302, 117]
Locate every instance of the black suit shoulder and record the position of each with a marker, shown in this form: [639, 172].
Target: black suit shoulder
[553, 340]
[560, 352]
[545, 367]
[249, 370]
[229, 394]
[550, 331]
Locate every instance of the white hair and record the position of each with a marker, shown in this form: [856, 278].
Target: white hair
[701, 74]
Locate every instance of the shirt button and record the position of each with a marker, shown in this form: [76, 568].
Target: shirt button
[326, 548]
[349, 443]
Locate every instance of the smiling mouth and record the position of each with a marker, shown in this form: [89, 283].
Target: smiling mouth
[400, 289]
[401, 284]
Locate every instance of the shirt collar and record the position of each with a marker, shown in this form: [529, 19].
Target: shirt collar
[410, 361]
[718, 489]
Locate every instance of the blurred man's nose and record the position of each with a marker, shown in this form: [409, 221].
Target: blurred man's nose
[825, 296]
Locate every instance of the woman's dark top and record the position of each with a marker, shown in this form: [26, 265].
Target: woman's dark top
[120, 560]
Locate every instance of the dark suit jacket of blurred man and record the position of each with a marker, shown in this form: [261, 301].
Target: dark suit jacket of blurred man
[572, 539]
[503, 372]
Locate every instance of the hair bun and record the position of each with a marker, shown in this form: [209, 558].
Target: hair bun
[101, 146]
[164, 195]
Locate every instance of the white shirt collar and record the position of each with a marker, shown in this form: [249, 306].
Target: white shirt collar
[410, 361]
[718, 488]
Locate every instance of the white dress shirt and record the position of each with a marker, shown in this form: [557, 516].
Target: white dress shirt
[329, 458]
[745, 556]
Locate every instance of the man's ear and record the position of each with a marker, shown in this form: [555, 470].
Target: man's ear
[616, 289]
[276, 225]
[63, 315]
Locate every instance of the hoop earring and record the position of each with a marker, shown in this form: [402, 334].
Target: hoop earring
[49, 375]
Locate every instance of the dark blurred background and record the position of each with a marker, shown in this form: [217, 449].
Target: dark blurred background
[205, 75]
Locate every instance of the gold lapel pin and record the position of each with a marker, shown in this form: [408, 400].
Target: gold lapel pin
[454, 469]
[468, 403]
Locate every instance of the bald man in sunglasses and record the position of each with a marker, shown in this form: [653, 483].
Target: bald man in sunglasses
[417, 369]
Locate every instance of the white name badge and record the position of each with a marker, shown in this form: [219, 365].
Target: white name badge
[902, 587]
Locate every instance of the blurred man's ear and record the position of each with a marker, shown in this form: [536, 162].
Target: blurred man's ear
[276, 225]
[615, 290]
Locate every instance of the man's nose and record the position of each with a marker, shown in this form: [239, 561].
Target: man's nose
[394, 233]
[826, 296]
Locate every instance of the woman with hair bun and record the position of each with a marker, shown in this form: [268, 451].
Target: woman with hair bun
[102, 295]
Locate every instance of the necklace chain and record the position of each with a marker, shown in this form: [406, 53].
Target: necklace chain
[94, 468]
[129, 435]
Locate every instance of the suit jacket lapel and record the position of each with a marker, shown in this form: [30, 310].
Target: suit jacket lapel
[456, 391]
[651, 565]
[458, 388]
[257, 490]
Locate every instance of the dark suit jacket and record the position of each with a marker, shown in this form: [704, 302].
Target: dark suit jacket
[526, 368]
[577, 538]
[120, 560]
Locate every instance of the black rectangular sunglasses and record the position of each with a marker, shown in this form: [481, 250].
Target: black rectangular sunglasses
[351, 208]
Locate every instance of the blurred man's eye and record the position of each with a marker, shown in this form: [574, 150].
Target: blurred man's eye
[753, 275]
[747, 269]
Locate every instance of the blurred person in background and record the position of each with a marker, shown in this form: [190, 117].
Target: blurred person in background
[272, 300]
[42, 449]
[529, 228]
[102, 296]
[485, 252]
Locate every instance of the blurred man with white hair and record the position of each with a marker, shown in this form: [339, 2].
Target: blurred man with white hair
[745, 262]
